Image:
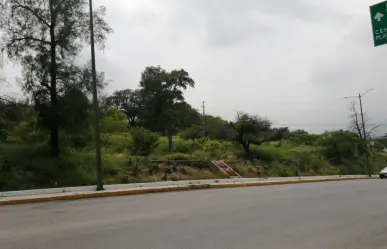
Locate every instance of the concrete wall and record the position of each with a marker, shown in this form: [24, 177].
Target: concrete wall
[156, 184]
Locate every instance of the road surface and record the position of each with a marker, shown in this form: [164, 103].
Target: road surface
[335, 215]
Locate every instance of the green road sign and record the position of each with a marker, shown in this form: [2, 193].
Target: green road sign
[379, 23]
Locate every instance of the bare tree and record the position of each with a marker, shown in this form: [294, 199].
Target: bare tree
[3, 98]
[2, 76]
[356, 124]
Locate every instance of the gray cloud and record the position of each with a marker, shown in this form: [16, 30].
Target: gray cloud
[299, 9]
[292, 61]
[229, 22]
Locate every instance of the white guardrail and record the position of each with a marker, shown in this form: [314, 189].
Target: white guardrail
[160, 184]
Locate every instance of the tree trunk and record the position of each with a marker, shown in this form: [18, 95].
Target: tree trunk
[245, 143]
[170, 142]
[246, 148]
[54, 127]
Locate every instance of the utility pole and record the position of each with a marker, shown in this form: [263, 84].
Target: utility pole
[205, 119]
[95, 104]
[364, 137]
[204, 108]
[362, 118]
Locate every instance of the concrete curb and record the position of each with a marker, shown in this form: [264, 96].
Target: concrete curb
[112, 193]
[273, 183]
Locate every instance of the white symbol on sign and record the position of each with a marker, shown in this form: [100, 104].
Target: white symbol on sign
[378, 16]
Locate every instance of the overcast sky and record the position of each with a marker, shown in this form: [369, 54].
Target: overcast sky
[291, 61]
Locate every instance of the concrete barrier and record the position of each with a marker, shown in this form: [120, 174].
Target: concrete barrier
[157, 184]
[196, 185]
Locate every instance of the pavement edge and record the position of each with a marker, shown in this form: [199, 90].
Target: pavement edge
[124, 192]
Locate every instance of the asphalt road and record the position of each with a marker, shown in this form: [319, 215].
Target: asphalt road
[336, 215]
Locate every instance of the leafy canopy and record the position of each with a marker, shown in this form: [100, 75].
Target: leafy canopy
[253, 129]
[163, 102]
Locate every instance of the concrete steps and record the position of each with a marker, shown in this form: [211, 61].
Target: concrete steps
[222, 166]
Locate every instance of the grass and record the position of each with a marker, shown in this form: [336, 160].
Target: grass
[26, 165]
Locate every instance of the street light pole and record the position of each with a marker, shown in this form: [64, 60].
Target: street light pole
[365, 142]
[95, 104]
[365, 136]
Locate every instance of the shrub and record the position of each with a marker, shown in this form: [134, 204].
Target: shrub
[278, 169]
[135, 171]
[137, 160]
[201, 155]
[278, 145]
[155, 168]
[178, 157]
[265, 155]
[79, 140]
[193, 133]
[143, 141]
[212, 145]
[238, 170]
[181, 148]
[173, 178]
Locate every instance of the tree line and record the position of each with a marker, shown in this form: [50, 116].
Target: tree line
[47, 37]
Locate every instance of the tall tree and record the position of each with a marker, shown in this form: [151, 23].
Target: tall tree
[45, 36]
[162, 96]
[256, 130]
[127, 101]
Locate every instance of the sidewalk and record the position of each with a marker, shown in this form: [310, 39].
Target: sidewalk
[147, 188]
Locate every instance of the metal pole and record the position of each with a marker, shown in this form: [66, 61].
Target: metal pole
[299, 169]
[205, 120]
[95, 104]
[364, 136]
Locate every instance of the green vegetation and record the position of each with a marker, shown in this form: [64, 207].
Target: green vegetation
[139, 155]
[147, 134]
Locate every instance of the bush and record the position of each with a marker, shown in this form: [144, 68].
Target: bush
[143, 141]
[77, 140]
[278, 145]
[265, 155]
[138, 160]
[212, 145]
[193, 133]
[238, 170]
[173, 178]
[277, 169]
[201, 155]
[181, 148]
[119, 143]
[353, 167]
[178, 157]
